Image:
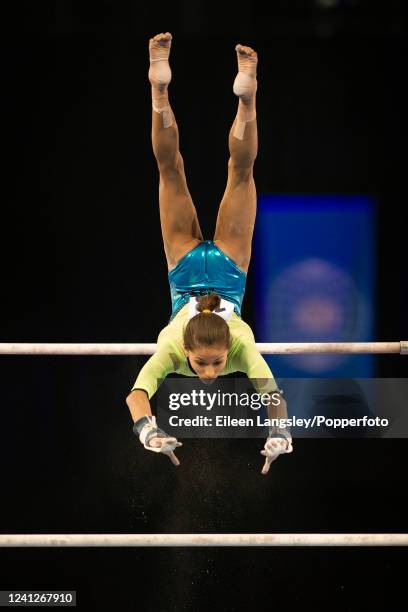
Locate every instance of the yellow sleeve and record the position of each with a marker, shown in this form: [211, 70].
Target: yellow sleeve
[156, 369]
[255, 367]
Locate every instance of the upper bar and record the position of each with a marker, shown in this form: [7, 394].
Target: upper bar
[204, 539]
[267, 348]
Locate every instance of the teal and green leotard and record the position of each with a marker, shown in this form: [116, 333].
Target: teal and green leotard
[203, 270]
[206, 269]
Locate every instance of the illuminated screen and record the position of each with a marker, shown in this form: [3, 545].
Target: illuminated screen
[313, 275]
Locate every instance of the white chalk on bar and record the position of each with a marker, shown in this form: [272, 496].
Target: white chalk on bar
[204, 539]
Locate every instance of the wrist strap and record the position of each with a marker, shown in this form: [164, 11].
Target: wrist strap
[139, 424]
[277, 432]
[147, 428]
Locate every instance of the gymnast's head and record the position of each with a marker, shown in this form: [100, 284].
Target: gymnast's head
[207, 340]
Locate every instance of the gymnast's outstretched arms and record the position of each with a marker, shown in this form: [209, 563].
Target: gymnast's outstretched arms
[243, 356]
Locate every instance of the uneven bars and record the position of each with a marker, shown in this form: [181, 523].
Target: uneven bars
[267, 348]
[204, 539]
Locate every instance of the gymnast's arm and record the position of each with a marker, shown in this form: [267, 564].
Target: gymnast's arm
[145, 426]
[255, 367]
[148, 380]
[138, 404]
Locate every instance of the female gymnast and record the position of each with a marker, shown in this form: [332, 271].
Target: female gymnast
[206, 336]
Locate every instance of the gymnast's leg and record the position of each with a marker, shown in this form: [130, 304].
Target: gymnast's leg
[178, 217]
[237, 212]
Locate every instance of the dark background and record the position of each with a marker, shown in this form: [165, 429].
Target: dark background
[82, 260]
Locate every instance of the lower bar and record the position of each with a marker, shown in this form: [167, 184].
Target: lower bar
[204, 539]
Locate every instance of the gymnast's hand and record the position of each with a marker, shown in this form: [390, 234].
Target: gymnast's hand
[275, 445]
[155, 439]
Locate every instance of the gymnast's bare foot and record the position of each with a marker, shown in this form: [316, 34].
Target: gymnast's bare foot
[245, 83]
[159, 51]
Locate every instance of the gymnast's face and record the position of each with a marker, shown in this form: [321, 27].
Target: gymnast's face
[208, 362]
